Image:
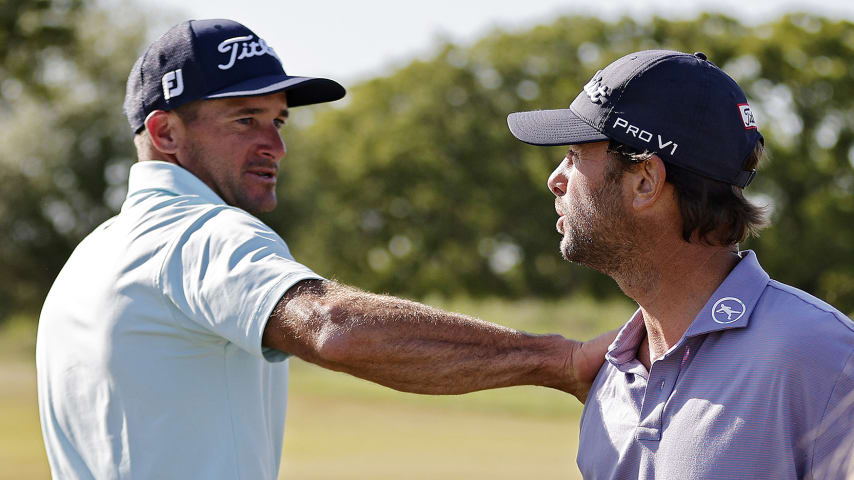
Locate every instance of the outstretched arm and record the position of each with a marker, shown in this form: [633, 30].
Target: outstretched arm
[412, 347]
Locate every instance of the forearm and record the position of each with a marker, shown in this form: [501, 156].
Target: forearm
[416, 348]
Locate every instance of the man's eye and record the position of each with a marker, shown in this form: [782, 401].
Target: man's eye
[244, 121]
[279, 123]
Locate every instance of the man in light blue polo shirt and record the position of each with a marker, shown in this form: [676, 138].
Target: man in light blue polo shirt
[162, 344]
[722, 372]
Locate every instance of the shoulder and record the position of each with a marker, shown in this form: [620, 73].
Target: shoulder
[210, 232]
[184, 218]
[802, 332]
[810, 348]
[213, 238]
[793, 308]
[230, 225]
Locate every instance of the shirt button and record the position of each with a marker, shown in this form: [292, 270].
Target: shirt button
[661, 387]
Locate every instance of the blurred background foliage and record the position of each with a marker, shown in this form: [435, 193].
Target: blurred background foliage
[65, 144]
[416, 186]
[413, 185]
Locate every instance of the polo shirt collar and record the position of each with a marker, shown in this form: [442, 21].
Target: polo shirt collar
[624, 348]
[732, 303]
[168, 177]
[729, 307]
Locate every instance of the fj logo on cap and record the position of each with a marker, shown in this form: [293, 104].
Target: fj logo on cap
[747, 116]
[173, 84]
[594, 89]
[728, 310]
[247, 49]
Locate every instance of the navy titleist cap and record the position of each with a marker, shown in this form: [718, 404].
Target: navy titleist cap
[680, 106]
[202, 59]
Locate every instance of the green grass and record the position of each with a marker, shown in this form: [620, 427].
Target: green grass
[336, 438]
[342, 427]
[21, 450]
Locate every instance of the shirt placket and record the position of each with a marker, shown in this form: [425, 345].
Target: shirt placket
[662, 380]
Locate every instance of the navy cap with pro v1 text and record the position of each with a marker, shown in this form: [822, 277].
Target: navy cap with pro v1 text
[679, 106]
[204, 59]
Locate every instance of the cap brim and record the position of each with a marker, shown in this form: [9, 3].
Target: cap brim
[552, 127]
[301, 90]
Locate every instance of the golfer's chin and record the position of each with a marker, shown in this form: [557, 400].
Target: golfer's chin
[575, 251]
[265, 207]
[566, 249]
[256, 204]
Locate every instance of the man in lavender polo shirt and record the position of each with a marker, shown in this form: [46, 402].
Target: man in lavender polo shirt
[722, 372]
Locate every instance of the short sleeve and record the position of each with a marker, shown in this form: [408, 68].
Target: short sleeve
[227, 272]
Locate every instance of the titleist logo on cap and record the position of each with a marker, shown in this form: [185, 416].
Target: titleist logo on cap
[247, 49]
[747, 116]
[594, 89]
[213, 58]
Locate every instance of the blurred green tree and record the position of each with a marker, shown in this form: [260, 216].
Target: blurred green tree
[415, 185]
[66, 143]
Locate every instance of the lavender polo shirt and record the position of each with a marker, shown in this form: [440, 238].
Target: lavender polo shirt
[760, 386]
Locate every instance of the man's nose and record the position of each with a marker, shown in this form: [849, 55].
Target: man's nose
[272, 145]
[557, 180]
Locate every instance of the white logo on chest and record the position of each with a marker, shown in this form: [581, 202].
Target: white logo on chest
[246, 48]
[728, 310]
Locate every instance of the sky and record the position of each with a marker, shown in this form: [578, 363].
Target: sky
[354, 40]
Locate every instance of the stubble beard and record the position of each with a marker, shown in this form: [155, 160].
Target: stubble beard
[600, 234]
[198, 155]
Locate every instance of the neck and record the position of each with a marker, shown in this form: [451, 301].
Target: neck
[674, 287]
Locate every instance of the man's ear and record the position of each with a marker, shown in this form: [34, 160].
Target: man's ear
[165, 131]
[647, 182]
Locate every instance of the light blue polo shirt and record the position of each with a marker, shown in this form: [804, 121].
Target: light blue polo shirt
[149, 354]
[760, 386]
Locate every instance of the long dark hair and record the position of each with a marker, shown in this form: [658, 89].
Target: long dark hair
[716, 212]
